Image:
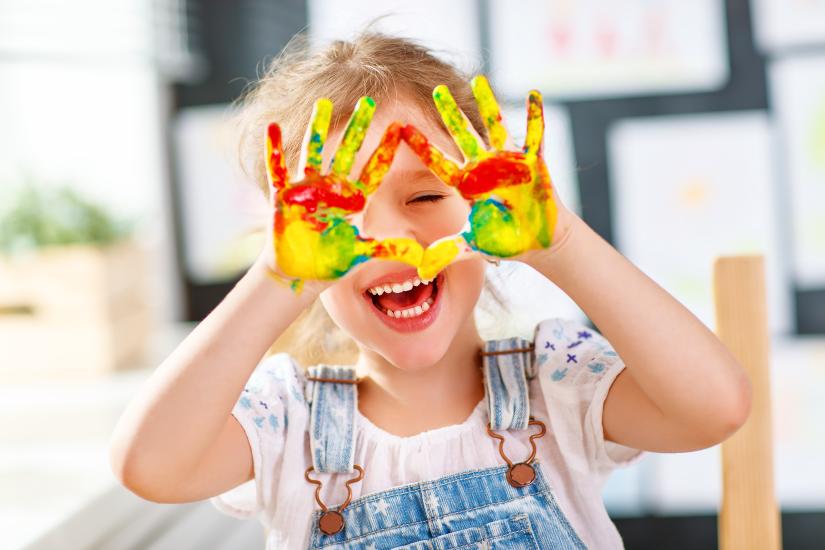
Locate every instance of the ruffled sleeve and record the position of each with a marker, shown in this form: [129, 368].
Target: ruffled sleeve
[576, 367]
[273, 412]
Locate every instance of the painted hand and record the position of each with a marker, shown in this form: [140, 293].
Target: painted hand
[312, 234]
[514, 207]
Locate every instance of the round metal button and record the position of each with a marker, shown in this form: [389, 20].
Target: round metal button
[331, 522]
[521, 475]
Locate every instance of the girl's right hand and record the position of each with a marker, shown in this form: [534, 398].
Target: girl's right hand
[310, 235]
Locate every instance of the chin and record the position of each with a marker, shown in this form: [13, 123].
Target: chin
[410, 322]
[415, 358]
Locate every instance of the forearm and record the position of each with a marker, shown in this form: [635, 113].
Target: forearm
[182, 408]
[680, 365]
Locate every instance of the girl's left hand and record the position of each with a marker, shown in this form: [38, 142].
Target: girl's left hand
[515, 207]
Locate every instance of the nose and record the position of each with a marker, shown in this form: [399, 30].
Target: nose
[380, 220]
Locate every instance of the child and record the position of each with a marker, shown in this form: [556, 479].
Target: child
[406, 448]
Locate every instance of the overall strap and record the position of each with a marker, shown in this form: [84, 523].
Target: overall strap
[332, 417]
[507, 365]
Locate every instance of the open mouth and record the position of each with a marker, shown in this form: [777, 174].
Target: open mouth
[408, 305]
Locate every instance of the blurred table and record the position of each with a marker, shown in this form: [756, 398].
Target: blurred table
[58, 490]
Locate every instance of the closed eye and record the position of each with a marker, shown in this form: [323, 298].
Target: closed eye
[427, 198]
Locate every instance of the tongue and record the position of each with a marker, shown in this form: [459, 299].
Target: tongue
[406, 300]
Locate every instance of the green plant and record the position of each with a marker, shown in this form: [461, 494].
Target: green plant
[37, 217]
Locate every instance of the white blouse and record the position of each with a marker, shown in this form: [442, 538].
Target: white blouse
[568, 394]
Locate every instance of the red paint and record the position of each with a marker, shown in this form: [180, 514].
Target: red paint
[276, 162]
[319, 194]
[281, 222]
[502, 170]
[418, 143]
[445, 169]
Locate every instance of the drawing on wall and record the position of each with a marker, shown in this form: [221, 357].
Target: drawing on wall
[452, 28]
[589, 48]
[786, 24]
[797, 86]
[688, 188]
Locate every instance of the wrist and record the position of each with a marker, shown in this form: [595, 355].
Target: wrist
[561, 253]
[273, 280]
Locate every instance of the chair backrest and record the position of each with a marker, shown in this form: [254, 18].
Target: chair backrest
[749, 516]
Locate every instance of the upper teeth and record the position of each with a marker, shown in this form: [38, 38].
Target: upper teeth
[399, 287]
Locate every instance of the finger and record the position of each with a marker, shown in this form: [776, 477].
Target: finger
[457, 123]
[445, 169]
[357, 127]
[535, 124]
[443, 252]
[408, 251]
[315, 137]
[380, 160]
[276, 173]
[490, 112]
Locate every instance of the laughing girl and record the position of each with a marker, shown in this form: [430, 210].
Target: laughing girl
[390, 196]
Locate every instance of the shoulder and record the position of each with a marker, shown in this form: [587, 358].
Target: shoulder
[569, 353]
[274, 387]
[576, 366]
[277, 374]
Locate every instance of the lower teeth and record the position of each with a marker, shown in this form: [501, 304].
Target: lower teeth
[412, 312]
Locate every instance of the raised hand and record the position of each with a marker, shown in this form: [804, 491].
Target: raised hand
[514, 205]
[313, 237]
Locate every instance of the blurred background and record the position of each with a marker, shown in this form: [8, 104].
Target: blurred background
[679, 131]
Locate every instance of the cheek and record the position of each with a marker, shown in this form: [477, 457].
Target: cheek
[445, 218]
[341, 307]
[469, 276]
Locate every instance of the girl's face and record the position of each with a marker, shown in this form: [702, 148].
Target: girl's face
[413, 328]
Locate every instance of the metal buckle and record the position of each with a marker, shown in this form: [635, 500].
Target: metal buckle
[332, 521]
[520, 474]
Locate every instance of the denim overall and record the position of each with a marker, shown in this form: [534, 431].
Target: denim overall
[475, 509]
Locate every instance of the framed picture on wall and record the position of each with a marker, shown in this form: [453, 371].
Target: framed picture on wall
[688, 188]
[222, 212]
[589, 48]
[797, 86]
[781, 25]
[451, 29]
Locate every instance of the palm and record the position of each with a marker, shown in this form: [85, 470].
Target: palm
[313, 237]
[513, 206]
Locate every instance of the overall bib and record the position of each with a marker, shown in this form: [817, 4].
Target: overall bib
[504, 507]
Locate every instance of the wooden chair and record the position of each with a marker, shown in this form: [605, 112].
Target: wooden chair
[749, 515]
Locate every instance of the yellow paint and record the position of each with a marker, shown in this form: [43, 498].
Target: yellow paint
[437, 256]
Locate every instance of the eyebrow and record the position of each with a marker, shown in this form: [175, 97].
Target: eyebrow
[416, 175]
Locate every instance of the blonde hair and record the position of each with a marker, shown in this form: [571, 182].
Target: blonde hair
[374, 64]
